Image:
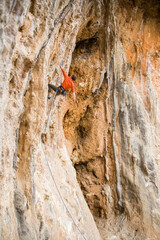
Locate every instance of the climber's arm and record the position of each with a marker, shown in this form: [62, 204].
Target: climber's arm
[64, 73]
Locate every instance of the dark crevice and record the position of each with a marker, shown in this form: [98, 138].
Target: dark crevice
[87, 44]
[32, 6]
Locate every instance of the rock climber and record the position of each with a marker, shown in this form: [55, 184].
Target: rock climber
[66, 85]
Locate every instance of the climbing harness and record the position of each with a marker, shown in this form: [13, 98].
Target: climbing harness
[61, 90]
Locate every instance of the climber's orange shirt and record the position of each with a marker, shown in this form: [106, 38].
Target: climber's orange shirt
[68, 82]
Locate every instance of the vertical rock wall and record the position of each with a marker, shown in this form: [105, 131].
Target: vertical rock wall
[136, 111]
[12, 17]
[105, 146]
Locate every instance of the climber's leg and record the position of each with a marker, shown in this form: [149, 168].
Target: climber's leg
[51, 87]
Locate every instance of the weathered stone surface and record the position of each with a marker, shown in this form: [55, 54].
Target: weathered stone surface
[105, 146]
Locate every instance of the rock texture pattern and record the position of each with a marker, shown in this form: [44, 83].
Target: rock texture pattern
[94, 174]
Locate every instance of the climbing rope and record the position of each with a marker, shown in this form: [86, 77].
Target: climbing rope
[61, 71]
[50, 108]
[60, 194]
[59, 19]
[49, 113]
[12, 6]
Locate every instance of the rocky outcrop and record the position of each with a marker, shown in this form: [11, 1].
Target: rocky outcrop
[95, 171]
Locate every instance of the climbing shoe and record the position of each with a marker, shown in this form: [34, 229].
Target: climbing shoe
[49, 97]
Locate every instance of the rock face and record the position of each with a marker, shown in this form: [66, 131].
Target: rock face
[95, 173]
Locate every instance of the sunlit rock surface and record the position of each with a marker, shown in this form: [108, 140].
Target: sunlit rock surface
[95, 173]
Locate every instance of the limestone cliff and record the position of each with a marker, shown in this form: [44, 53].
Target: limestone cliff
[95, 173]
